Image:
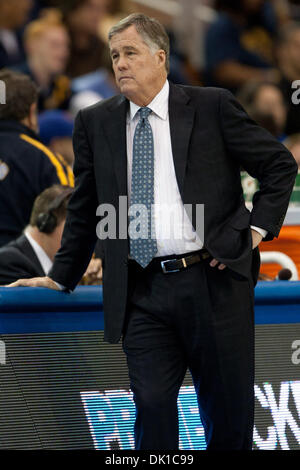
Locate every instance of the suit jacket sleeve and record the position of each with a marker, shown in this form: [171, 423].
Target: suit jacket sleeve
[264, 158]
[79, 235]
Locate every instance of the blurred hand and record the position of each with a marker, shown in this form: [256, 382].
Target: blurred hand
[35, 282]
[93, 274]
[256, 239]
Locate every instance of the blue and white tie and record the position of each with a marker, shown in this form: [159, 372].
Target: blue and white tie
[143, 248]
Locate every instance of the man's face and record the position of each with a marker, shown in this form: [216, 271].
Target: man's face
[52, 50]
[139, 72]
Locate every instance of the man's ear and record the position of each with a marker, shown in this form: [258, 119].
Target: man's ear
[33, 117]
[161, 57]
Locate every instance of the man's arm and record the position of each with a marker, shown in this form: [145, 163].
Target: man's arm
[264, 158]
[79, 236]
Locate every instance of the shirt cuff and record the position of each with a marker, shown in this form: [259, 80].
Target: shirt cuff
[262, 231]
[60, 286]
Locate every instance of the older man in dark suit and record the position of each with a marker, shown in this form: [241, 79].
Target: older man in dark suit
[178, 302]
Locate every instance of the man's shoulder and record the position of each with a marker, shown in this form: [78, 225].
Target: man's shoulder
[14, 248]
[201, 90]
[201, 94]
[17, 261]
[11, 255]
[101, 107]
[16, 139]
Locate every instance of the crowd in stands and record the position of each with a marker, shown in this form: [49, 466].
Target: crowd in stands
[54, 60]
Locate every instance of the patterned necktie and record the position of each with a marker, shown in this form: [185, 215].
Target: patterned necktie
[143, 247]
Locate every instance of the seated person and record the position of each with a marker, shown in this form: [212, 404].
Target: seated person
[32, 254]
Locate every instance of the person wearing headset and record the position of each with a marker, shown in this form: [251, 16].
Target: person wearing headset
[32, 254]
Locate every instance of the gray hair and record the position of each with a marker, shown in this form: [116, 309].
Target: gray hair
[151, 30]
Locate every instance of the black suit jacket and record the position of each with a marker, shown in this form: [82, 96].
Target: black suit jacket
[18, 260]
[212, 137]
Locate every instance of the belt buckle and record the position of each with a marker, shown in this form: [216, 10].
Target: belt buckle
[162, 263]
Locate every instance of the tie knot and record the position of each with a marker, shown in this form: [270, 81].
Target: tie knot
[144, 112]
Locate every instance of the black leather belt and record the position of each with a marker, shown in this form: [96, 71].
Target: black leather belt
[161, 264]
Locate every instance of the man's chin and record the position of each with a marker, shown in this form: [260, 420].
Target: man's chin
[126, 87]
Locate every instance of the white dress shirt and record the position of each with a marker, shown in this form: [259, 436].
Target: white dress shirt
[42, 256]
[173, 228]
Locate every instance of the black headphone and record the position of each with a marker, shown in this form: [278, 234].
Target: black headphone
[47, 221]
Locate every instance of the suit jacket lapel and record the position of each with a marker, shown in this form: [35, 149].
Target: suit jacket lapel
[115, 129]
[181, 124]
[25, 247]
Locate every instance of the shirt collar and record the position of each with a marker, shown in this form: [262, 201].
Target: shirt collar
[159, 105]
[42, 256]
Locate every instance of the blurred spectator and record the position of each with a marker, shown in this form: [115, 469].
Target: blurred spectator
[190, 27]
[282, 10]
[88, 51]
[27, 166]
[239, 43]
[181, 70]
[265, 103]
[46, 43]
[13, 15]
[288, 55]
[101, 82]
[56, 128]
[32, 254]
[115, 11]
[82, 100]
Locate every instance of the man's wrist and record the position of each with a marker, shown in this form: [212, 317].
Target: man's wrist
[60, 286]
[262, 231]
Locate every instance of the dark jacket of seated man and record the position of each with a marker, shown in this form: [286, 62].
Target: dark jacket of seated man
[32, 254]
[18, 258]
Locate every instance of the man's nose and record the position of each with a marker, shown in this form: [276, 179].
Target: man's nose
[122, 63]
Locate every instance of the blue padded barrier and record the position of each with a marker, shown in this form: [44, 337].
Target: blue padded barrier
[29, 310]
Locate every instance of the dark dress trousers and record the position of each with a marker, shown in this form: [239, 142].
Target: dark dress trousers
[200, 318]
[18, 260]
